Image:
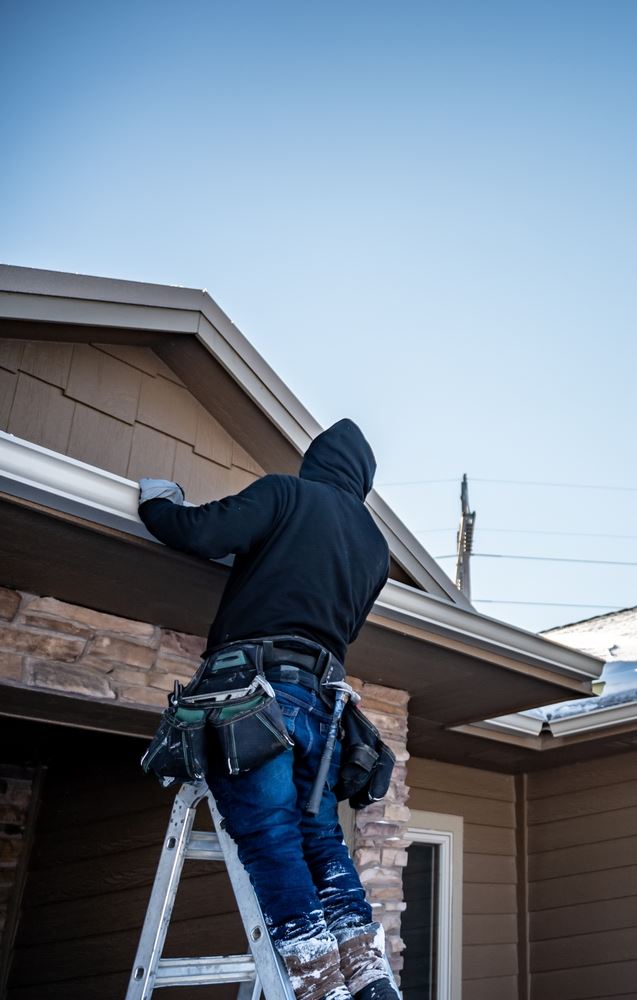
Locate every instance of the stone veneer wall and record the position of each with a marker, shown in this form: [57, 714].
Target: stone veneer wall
[53, 646]
[380, 833]
[49, 645]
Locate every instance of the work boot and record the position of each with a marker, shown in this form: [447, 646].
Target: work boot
[313, 966]
[363, 962]
[380, 989]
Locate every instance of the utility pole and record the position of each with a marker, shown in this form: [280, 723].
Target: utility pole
[464, 541]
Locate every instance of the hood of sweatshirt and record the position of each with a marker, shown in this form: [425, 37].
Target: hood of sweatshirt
[341, 456]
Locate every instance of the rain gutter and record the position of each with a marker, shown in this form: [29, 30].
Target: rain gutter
[54, 480]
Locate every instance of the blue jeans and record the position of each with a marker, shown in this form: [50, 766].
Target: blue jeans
[299, 864]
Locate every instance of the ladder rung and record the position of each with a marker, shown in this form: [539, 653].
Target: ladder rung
[204, 847]
[205, 971]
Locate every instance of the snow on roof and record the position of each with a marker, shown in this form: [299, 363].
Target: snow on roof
[613, 638]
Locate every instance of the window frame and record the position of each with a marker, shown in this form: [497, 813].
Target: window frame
[446, 832]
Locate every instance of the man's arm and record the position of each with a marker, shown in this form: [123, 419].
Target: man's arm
[219, 528]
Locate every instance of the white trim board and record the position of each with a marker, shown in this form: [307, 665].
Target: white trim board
[447, 832]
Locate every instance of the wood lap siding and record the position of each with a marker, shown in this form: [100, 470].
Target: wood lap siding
[583, 880]
[121, 409]
[486, 801]
[97, 846]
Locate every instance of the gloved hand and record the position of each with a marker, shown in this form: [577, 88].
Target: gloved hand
[153, 489]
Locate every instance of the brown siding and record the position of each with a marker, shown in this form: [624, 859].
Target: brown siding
[96, 848]
[122, 409]
[583, 880]
[486, 801]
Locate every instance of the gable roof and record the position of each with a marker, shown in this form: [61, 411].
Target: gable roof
[459, 666]
[189, 330]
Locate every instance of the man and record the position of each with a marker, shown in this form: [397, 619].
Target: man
[309, 563]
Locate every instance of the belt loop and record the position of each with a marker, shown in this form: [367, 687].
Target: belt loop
[268, 647]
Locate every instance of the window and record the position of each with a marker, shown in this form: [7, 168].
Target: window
[432, 922]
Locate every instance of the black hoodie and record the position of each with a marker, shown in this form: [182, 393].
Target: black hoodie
[309, 559]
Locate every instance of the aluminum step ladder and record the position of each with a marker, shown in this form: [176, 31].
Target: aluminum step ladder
[262, 969]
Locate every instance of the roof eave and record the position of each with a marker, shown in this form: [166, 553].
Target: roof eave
[57, 297]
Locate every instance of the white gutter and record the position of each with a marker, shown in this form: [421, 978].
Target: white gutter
[35, 473]
[595, 719]
[404, 603]
[51, 296]
[516, 723]
[30, 471]
[586, 721]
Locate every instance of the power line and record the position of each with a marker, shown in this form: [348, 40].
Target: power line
[516, 482]
[532, 531]
[498, 555]
[420, 482]
[547, 604]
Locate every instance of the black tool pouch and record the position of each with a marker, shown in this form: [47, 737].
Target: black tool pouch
[227, 717]
[178, 752]
[245, 724]
[366, 762]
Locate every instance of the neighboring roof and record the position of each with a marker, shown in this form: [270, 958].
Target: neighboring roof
[612, 636]
[64, 306]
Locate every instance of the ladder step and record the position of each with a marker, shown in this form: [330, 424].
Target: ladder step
[204, 847]
[205, 971]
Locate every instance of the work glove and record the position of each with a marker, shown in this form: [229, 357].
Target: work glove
[154, 489]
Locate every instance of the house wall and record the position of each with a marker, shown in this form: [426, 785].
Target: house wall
[99, 833]
[102, 820]
[486, 801]
[120, 408]
[582, 837]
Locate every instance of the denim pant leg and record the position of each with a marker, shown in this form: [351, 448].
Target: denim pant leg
[298, 864]
[263, 818]
[333, 873]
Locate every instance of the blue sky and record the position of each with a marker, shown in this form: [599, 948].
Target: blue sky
[421, 214]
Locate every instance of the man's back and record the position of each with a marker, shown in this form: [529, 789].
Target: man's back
[309, 559]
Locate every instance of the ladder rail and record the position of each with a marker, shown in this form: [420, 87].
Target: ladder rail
[164, 891]
[262, 969]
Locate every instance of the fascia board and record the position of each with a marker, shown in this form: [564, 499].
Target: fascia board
[55, 309]
[50, 296]
[62, 284]
[64, 483]
[398, 599]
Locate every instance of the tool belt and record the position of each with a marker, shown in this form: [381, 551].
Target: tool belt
[227, 717]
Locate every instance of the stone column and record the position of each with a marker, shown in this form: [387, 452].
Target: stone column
[380, 830]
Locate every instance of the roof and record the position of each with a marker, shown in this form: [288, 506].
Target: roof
[610, 636]
[422, 635]
[75, 304]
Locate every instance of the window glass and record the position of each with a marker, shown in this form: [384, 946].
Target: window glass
[419, 927]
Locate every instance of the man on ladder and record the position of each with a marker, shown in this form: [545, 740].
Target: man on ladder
[309, 563]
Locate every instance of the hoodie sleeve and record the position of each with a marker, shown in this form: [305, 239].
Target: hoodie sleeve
[220, 528]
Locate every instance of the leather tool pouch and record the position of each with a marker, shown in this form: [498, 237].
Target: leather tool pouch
[227, 715]
[366, 762]
[178, 752]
